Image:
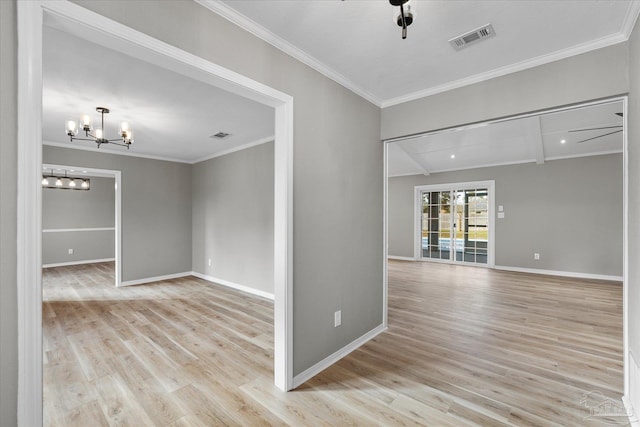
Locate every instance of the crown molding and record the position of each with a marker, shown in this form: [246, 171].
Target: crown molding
[234, 149]
[261, 32]
[509, 69]
[166, 159]
[117, 153]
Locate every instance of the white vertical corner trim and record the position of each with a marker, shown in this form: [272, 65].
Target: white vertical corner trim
[385, 235]
[29, 207]
[631, 398]
[29, 226]
[625, 240]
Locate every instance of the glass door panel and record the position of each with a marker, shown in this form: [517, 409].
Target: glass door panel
[455, 225]
[436, 224]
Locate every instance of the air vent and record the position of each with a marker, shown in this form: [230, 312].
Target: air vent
[471, 37]
[220, 135]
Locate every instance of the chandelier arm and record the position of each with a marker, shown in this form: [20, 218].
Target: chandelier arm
[73, 138]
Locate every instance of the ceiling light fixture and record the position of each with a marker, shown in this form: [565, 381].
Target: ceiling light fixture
[65, 182]
[72, 128]
[453, 156]
[562, 141]
[405, 16]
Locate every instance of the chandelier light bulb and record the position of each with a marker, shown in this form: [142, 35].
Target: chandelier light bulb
[124, 127]
[99, 133]
[45, 181]
[85, 121]
[128, 137]
[72, 183]
[85, 184]
[72, 128]
[58, 182]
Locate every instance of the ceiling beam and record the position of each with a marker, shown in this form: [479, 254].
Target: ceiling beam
[534, 135]
[417, 162]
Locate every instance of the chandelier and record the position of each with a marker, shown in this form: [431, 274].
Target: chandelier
[86, 125]
[405, 16]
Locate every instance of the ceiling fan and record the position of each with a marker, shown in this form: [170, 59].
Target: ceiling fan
[617, 127]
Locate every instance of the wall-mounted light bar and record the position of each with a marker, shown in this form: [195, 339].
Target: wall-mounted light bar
[65, 182]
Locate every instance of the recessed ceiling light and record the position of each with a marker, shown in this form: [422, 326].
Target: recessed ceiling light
[84, 171]
[562, 141]
[453, 156]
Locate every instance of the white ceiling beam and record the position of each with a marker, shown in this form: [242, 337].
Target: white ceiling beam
[424, 169]
[534, 137]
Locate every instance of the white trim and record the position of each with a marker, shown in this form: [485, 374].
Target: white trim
[509, 69]
[309, 373]
[155, 279]
[625, 242]
[89, 261]
[127, 153]
[385, 236]
[166, 159]
[631, 398]
[92, 26]
[599, 153]
[261, 32]
[574, 274]
[401, 258]
[234, 149]
[72, 230]
[29, 208]
[236, 286]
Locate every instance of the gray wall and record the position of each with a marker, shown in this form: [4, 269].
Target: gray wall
[597, 74]
[233, 217]
[69, 209]
[8, 216]
[156, 209]
[337, 242]
[570, 211]
[634, 197]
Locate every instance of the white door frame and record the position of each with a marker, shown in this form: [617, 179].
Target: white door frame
[97, 28]
[417, 217]
[117, 176]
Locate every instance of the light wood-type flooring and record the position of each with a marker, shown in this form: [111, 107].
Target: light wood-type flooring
[466, 346]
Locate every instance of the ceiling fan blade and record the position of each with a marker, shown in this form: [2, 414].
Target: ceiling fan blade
[588, 129]
[599, 136]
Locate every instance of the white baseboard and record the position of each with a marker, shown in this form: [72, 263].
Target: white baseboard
[155, 279]
[314, 370]
[235, 286]
[88, 261]
[560, 273]
[400, 258]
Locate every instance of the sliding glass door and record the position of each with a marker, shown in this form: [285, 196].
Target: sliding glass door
[455, 223]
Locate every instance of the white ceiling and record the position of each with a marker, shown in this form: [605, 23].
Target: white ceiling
[523, 140]
[172, 116]
[356, 43]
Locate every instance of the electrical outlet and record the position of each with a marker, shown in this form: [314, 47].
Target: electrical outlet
[209, 262]
[536, 256]
[70, 251]
[337, 318]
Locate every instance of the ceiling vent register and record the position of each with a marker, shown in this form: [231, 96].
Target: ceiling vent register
[472, 37]
[220, 135]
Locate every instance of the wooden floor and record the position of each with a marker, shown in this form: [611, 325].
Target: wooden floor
[465, 346]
